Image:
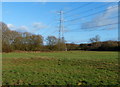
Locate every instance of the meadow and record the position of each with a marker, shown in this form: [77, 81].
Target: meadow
[60, 68]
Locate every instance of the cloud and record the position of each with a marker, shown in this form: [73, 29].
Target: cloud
[19, 28]
[35, 27]
[11, 26]
[105, 18]
[38, 25]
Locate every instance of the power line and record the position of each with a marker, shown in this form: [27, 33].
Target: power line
[69, 11]
[91, 9]
[52, 33]
[92, 30]
[77, 8]
[98, 20]
[97, 26]
[92, 14]
[49, 27]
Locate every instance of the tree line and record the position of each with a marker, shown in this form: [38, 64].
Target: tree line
[13, 40]
[96, 45]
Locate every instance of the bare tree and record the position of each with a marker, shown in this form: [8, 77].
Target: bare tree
[51, 42]
[95, 39]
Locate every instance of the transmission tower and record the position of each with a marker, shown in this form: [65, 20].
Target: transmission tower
[61, 31]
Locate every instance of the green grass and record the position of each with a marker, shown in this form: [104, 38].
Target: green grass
[60, 68]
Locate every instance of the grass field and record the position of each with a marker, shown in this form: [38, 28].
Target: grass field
[60, 68]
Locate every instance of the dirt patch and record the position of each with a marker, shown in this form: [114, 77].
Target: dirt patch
[17, 51]
[42, 58]
[32, 59]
